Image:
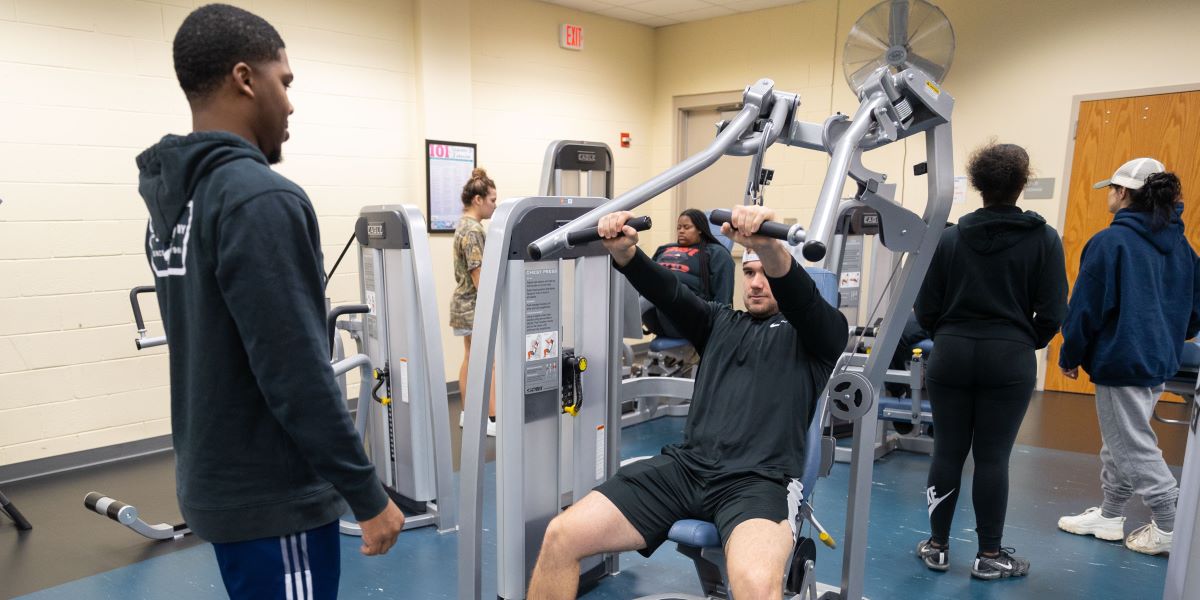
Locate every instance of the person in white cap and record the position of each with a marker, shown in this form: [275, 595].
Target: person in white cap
[759, 377]
[1135, 302]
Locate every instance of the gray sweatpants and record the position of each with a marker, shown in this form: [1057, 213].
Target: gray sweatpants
[1130, 460]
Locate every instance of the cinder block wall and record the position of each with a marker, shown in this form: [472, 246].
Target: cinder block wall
[87, 85]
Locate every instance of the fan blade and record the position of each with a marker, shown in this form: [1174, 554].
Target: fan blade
[938, 28]
[935, 71]
[898, 23]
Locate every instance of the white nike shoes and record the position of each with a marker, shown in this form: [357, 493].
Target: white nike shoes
[1091, 522]
[1149, 539]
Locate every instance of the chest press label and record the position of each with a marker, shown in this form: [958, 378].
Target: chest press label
[542, 327]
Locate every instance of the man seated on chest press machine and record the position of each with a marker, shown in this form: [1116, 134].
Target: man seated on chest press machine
[760, 373]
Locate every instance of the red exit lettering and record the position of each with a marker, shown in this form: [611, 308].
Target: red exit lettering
[571, 37]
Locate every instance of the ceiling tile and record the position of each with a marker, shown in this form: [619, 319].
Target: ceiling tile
[657, 13]
[669, 7]
[625, 14]
[660, 21]
[704, 13]
[584, 5]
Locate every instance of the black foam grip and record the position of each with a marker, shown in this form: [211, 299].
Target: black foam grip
[814, 251]
[771, 229]
[586, 236]
[93, 499]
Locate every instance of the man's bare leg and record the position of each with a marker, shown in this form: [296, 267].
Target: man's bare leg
[756, 555]
[591, 526]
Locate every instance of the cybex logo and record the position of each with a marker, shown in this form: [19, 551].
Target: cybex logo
[587, 157]
[375, 229]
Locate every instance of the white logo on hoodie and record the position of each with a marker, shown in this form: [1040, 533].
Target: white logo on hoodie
[169, 257]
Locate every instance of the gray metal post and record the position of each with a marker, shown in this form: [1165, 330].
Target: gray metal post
[435, 372]
[480, 371]
[1183, 570]
[941, 184]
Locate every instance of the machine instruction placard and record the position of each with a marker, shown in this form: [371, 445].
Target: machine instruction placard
[542, 327]
[849, 282]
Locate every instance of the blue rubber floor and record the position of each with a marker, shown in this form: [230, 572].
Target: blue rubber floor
[1044, 485]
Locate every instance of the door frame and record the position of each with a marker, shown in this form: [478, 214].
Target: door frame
[680, 105]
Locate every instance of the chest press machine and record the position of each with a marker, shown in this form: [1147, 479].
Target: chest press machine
[899, 97]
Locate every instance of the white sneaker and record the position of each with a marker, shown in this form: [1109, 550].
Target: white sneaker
[1091, 522]
[491, 428]
[1149, 539]
[462, 418]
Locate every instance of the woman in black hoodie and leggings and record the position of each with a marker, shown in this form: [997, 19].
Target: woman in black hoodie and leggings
[996, 292]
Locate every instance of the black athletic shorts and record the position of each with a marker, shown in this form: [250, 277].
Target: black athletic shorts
[655, 492]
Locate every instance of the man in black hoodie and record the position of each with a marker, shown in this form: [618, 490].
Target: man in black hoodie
[995, 292]
[265, 449]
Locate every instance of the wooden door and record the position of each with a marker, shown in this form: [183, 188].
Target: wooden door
[1110, 132]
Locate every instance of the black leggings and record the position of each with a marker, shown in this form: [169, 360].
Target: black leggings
[979, 390]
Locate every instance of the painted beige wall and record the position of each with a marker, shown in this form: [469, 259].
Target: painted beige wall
[89, 84]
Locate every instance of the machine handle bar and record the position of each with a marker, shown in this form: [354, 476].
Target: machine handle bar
[137, 309]
[592, 234]
[337, 312]
[7, 506]
[740, 125]
[792, 234]
[127, 515]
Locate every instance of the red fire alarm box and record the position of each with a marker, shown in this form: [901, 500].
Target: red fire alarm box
[570, 36]
[624, 139]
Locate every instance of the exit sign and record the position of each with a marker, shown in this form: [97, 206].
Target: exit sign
[570, 36]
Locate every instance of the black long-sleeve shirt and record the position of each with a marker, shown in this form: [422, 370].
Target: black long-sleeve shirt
[758, 377]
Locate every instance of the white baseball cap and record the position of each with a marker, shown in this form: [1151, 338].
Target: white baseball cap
[749, 256]
[1133, 174]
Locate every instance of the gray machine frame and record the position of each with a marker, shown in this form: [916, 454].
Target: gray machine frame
[409, 439]
[572, 453]
[892, 107]
[575, 166]
[852, 224]
[1183, 569]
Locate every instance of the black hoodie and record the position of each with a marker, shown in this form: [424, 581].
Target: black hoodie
[998, 274]
[264, 445]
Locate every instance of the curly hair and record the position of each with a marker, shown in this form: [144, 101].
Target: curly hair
[213, 39]
[478, 185]
[1157, 196]
[999, 172]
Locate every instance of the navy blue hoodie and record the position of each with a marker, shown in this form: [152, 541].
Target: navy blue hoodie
[263, 442]
[1135, 302]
